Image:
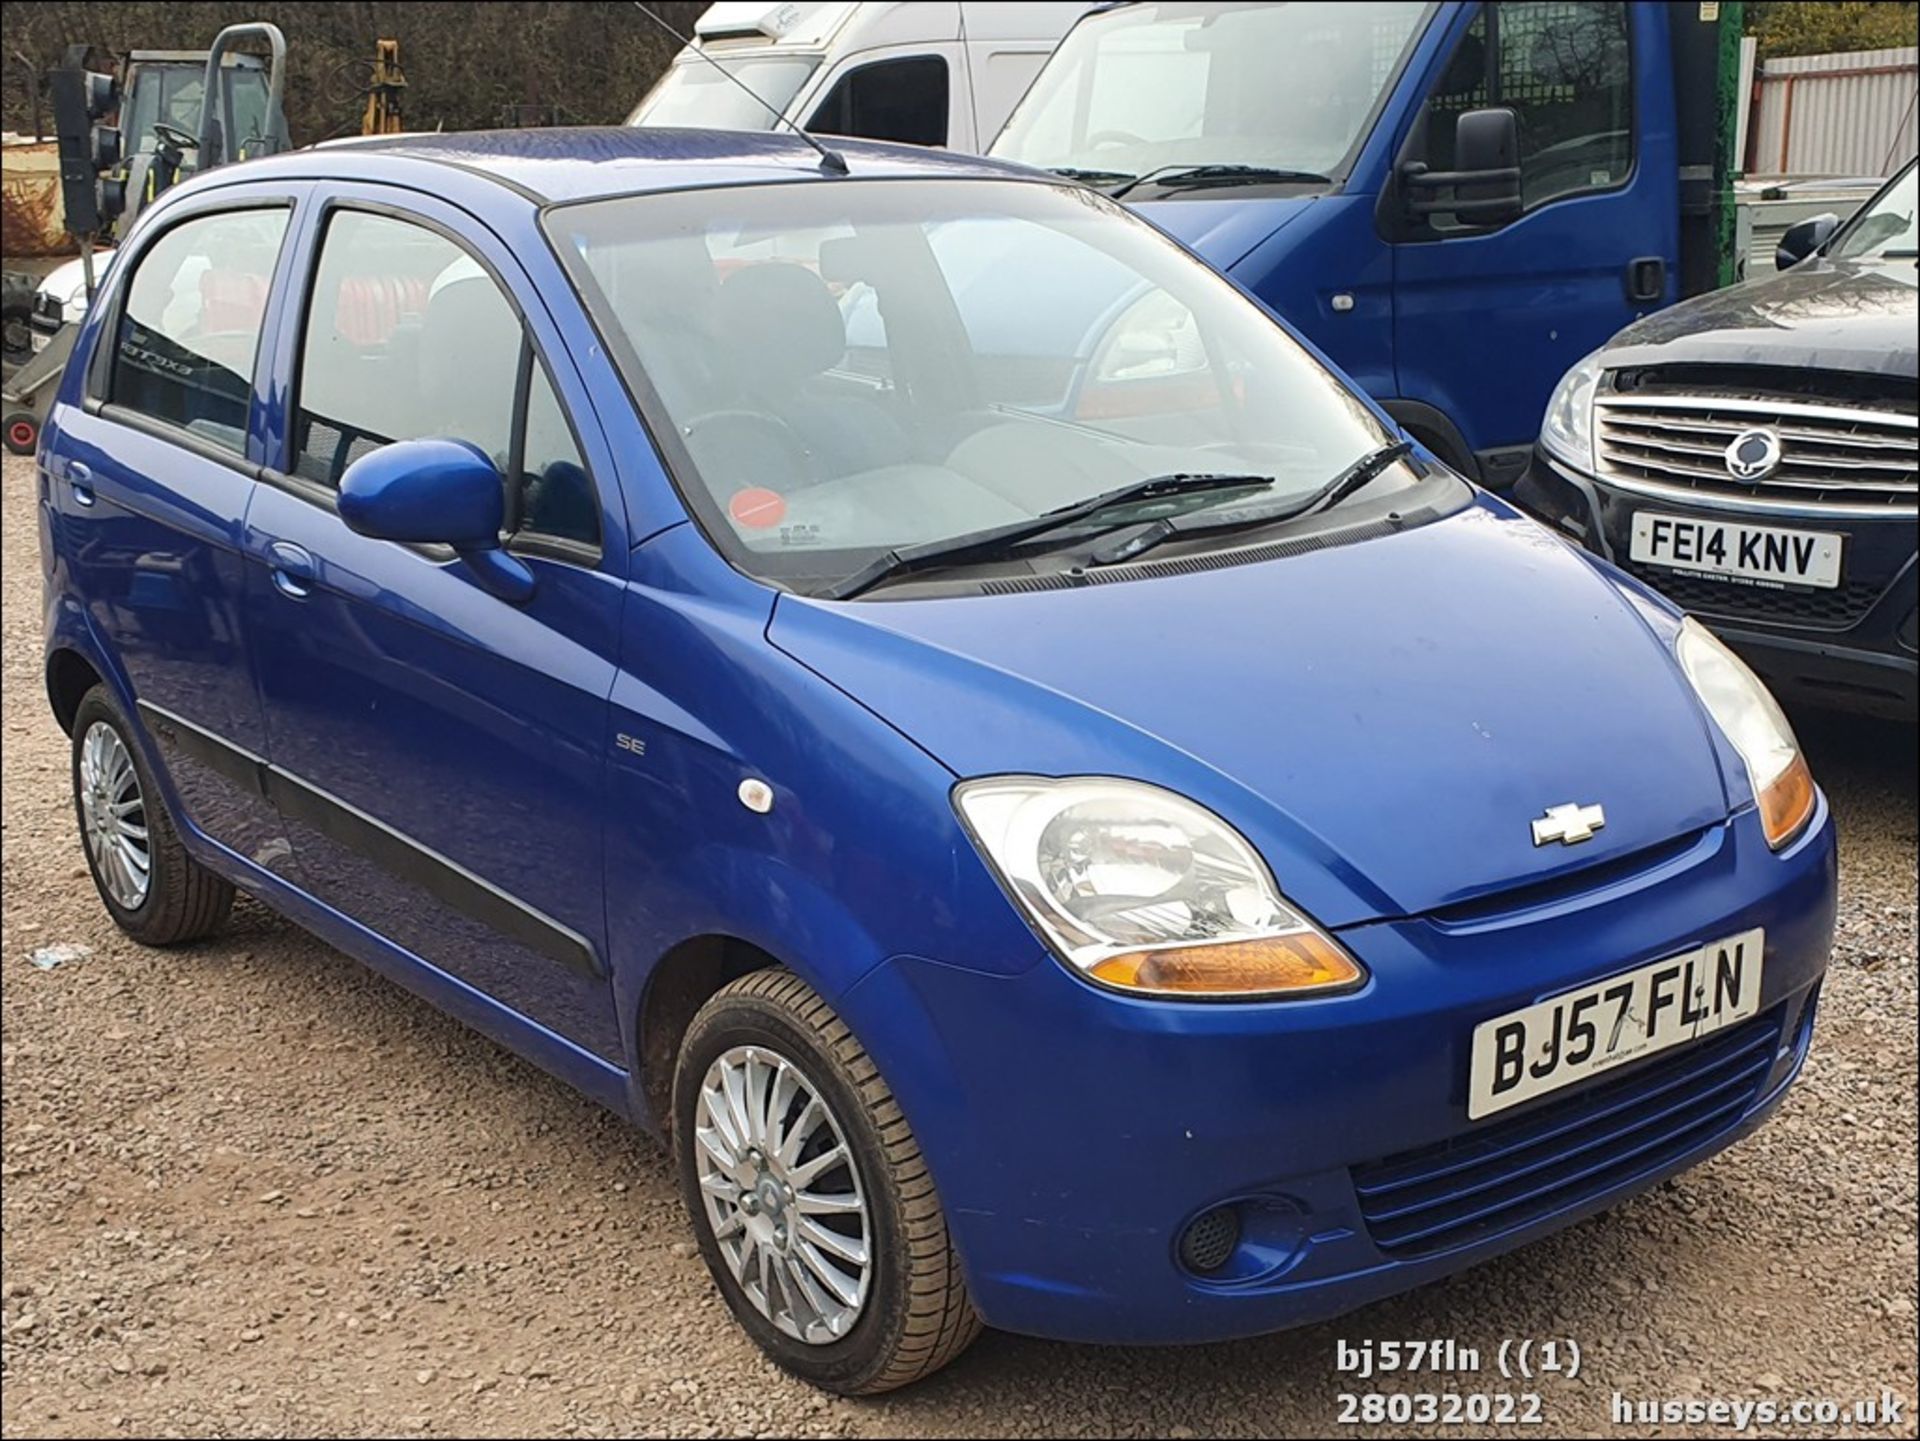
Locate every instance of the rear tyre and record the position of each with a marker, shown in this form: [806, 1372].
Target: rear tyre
[152, 888]
[812, 1204]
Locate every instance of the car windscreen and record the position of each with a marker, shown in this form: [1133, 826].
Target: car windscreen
[838, 368]
[697, 92]
[1141, 88]
[1884, 229]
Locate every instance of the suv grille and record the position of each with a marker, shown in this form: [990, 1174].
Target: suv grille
[1838, 609]
[1829, 453]
[1506, 1174]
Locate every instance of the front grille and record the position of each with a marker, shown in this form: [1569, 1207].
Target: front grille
[1839, 608]
[1505, 1174]
[1829, 454]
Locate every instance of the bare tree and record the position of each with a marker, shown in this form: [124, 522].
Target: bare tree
[579, 62]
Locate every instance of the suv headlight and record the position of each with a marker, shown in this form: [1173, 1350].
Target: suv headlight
[1752, 721]
[1142, 890]
[1567, 430]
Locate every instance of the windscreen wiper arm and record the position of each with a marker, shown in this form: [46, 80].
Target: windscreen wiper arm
[996, 541]
[1194, 177]
[1367, 468]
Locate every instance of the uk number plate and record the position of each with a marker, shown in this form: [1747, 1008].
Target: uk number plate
[1540, 1048]
[1736, 552]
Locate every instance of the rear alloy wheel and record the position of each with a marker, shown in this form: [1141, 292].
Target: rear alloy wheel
[813, 1207]
[152, 888]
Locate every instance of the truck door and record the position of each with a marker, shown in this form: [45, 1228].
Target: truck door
[1486, 320]
[915, 95]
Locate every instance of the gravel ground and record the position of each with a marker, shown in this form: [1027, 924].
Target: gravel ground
[251, 1188]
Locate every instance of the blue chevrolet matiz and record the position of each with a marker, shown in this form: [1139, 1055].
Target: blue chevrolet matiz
[908, 685]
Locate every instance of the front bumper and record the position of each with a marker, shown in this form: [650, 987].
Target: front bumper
[1852, 648]
[1074, 1133]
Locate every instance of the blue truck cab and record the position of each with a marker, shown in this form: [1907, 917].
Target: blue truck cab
[1349, 167]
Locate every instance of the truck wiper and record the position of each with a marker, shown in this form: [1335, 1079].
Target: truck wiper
[996, 542]
[1355, 476]
[1198, 177]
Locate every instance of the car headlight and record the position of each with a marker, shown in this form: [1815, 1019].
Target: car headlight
[1567, 430]
[1143, 890]
[1753, 722]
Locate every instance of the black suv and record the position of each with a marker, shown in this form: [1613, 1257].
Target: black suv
[1751, 454]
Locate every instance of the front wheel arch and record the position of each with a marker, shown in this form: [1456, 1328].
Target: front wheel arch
[680, 983]
[1435, 429]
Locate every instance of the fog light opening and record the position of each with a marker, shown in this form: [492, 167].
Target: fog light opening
[1209, 1240]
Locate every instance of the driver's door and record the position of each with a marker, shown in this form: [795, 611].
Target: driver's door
[440, 753]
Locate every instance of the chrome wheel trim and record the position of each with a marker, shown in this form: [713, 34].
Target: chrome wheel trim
[783, 1195]
[114, 816]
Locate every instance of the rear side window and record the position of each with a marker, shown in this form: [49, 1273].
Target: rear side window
[903, 100]
[189, 329]
[407, 336]
[1565, 70]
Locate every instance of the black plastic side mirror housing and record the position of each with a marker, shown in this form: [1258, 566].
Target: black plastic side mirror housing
[1485, 180]
[1803, 239]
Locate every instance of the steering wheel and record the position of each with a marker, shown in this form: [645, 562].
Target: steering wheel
[750, 443]
[1101, 138]
[173, 135]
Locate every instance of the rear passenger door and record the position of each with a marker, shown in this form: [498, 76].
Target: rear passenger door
[160, 463]
[439, 753]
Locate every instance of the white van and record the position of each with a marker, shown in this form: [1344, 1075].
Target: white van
[923, 73]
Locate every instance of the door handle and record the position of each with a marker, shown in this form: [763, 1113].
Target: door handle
[292, 569]
[80, 478]
[1646, 278]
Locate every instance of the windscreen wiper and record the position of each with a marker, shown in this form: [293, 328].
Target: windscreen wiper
[1366, 468]
[998, 541]
[1093, 177]
[1197, 177]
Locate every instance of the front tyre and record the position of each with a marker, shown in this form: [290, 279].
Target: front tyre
[152, 888]
[812, 1204]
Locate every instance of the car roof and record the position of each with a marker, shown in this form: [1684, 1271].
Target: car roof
[565, 164]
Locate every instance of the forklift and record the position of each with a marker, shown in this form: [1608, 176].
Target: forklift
[125, 139]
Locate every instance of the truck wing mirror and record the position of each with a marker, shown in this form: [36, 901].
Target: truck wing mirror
[1486, 179]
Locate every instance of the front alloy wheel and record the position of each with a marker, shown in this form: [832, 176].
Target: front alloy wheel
[782, 1193]
[814, 1210]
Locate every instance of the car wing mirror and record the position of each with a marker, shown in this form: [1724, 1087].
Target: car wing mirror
[1485, 180]
[436, 492]
[1803, 239]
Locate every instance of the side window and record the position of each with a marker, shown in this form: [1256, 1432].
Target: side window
[1565, 69]
[556, 496]
[903, 100]
[189, 329]
[406, 336]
